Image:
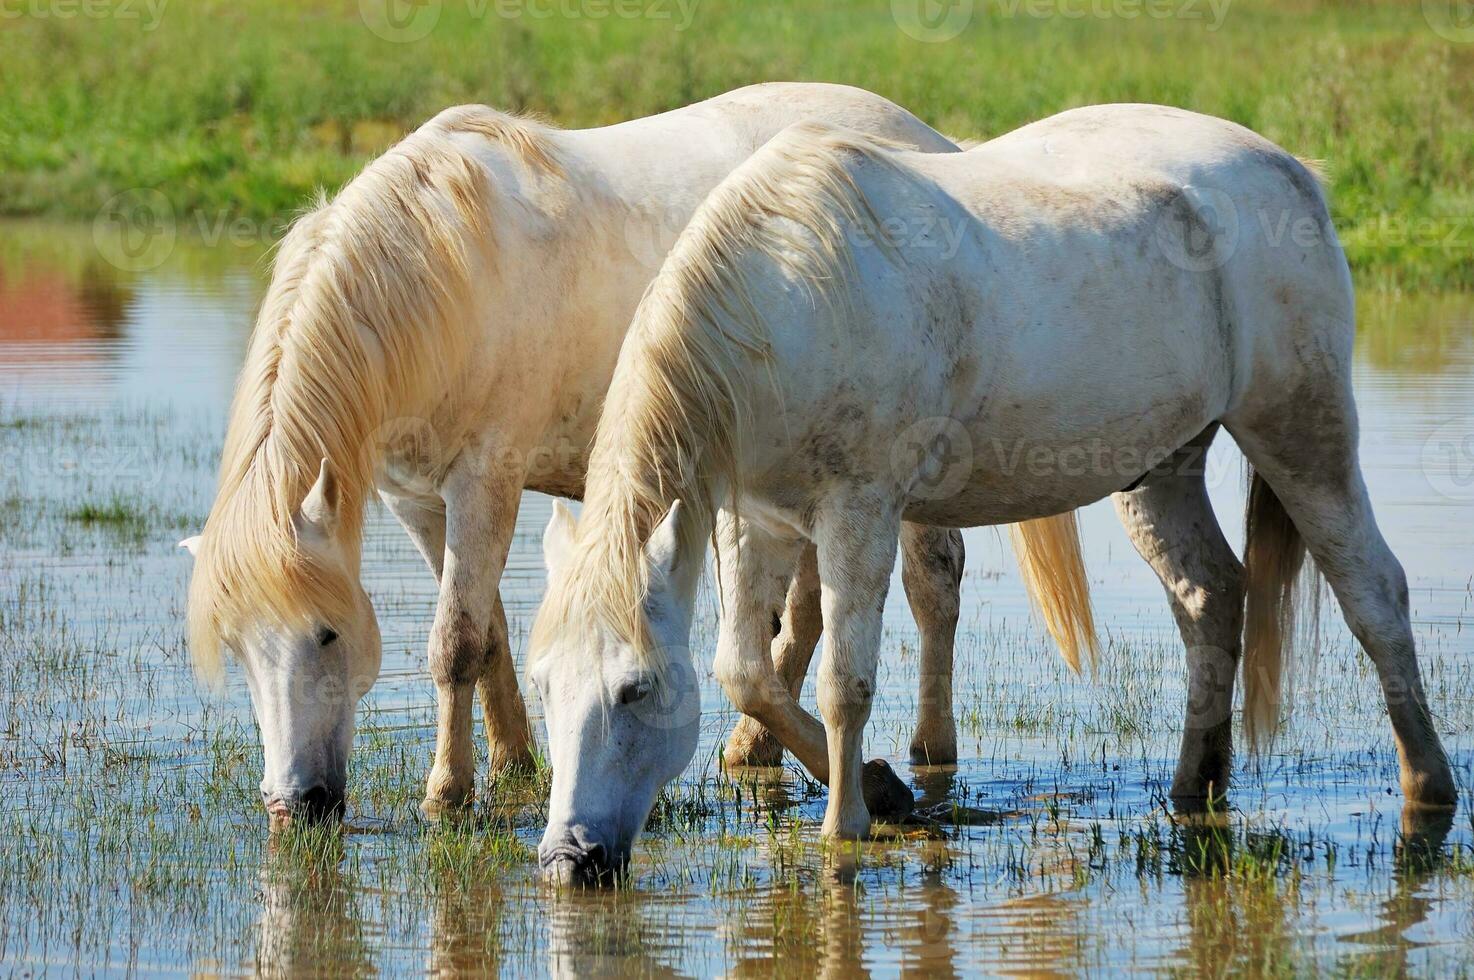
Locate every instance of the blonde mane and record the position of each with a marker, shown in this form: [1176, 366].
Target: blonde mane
[677, 412]
[359, 326]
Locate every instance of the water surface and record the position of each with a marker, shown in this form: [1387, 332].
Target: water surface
[130, 831]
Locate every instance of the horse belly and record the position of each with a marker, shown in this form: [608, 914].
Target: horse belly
[1070, 423]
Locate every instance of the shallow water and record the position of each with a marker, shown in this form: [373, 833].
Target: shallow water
[131, 835]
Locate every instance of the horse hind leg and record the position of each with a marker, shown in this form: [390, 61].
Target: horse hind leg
[1172, 525]
[932, 561]
[1303, 444]
[509, 741]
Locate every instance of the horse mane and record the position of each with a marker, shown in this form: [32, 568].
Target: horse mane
[695, 362]
[359, 327]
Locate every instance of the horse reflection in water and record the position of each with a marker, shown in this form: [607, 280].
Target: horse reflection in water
[594, 934]
[310, 921]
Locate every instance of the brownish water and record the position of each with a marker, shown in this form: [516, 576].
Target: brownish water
[131, 838]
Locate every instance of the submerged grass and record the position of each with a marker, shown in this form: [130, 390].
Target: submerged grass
[237, 111]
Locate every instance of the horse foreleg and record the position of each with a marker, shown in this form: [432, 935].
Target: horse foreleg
[480, 513]
[793, 648]
[755, 570]
[857, 551]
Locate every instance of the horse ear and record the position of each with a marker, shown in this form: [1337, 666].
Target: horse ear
[558, 538]
[191, 545]
[663, 549]
[320, 506]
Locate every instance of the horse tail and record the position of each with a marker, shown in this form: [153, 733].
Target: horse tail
[1048, 553]
[1273, 556]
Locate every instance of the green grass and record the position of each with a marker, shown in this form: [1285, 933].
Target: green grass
[241, 110]
[113, 514]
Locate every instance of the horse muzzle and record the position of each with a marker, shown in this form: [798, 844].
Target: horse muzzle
[572, 863]
[316, 805]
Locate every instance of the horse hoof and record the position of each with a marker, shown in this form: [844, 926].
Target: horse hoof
[752, 747]
[503, 763]
[937, 754]
[886, 796]
[436, 810]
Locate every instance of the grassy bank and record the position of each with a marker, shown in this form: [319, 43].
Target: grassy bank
[240, 110]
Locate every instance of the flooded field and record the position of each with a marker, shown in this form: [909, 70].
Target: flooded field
[132, 835]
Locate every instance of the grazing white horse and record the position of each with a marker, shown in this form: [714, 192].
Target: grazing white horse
[1074, 308]
[444, 332]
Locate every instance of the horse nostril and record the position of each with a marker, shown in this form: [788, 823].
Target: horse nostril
[595, 858]
[319, 802]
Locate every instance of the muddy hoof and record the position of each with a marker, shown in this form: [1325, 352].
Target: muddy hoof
[752, 746]
[941, 754]
[435, 810]
[502, 765]
[885, 795]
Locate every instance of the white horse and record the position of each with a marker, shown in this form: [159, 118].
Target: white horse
[444, 331]
[1073, 309]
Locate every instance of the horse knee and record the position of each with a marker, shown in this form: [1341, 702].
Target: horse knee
[845, 694]
[749, 689]
[458, 652]
[932, 574]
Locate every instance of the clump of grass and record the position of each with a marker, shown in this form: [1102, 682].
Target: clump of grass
[116, 517]
[112, 514]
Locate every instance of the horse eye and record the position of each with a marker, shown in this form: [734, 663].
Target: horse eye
[325, 636]
[632, 693]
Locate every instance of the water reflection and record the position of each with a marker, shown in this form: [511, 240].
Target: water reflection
[1035, 936]
[1418, 857]
[466, 932]
[52, 312]
[1054, 859]
[602, 934]
[310, 920]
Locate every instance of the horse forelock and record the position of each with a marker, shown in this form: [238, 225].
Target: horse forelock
[359, 328]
